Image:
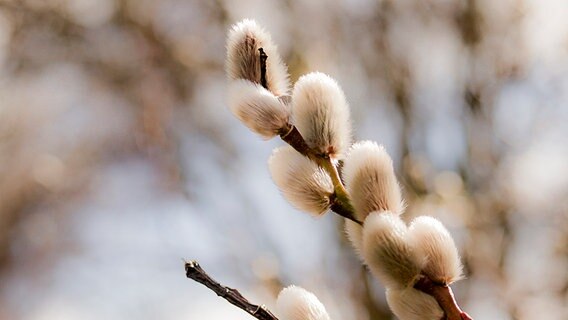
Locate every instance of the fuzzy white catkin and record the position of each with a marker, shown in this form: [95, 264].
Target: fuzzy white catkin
[370, 180]
[435, 249]
[295, 303]
[354, 233]
[386, 250]
[258, 108]
[411, 304]
[303, 183]
[243, 57]
[321, 114]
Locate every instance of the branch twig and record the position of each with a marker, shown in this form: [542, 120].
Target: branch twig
[444, 296]
[194, 271]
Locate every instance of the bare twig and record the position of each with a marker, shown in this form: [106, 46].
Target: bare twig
[444, 296]
[194, 271]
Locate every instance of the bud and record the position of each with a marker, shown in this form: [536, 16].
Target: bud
[412, 304]
[303, 183]
[295, 303]
[370, 180]
[435, 249]
[243, 57]
[387, 251]
[321, 114]
[258, 109]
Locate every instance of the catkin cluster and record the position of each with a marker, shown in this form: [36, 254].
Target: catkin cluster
[307, 174]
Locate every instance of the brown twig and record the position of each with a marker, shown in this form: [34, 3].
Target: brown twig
[294, 138]
[194, 271]
[444, 296]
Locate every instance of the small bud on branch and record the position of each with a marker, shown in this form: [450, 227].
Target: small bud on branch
[387, 251]
[435, 249]
[258, 108]
[304, 184]
[244, 58]
[295, 303]
[412, 304]
[321, 114]
[370, 180]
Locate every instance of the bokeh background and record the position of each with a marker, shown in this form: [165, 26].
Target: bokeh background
[119, 157]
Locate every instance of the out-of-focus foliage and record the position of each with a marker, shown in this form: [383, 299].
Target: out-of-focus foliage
[118, 156]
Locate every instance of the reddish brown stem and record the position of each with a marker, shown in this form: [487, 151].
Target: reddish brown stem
[294, 138]
[445, 298]
[194, 271]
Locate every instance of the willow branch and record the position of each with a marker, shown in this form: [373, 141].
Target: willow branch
[341, 205]
[445, 298]
[194, 271]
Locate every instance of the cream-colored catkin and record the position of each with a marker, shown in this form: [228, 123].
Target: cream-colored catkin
[434, 247]
[243, 57]
[258, 108]
[295, 303]
[370, 180]
[321, 114]
[387, 252]
[411, 304]
[354, 233]
[303, 183]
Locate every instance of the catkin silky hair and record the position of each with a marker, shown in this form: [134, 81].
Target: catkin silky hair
[386, 250]
[321, 114]
[302, 182]
[411, 304]
[244, 57]
[435, 249]
[370, 180]
[295, 303]
[258, 108]
[354, 233]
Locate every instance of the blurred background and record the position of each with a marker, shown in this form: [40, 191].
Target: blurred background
[119, 158]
